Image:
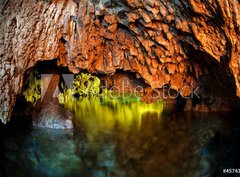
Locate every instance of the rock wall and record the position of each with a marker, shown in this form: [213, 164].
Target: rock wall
[154, 39]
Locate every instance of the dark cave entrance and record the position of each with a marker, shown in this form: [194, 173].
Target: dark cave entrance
[121, 81]
[217, 89]
[42, 70]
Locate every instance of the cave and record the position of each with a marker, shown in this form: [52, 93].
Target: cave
[119, 88]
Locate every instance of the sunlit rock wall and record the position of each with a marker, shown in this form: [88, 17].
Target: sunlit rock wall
[152, 39]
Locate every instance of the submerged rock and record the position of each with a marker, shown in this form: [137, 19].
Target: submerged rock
[53, 116]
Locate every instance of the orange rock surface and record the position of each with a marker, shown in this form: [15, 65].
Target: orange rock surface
[164, 42]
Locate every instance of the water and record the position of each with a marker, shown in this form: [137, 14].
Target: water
[123, 138]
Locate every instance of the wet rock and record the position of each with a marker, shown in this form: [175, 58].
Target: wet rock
[53, 116]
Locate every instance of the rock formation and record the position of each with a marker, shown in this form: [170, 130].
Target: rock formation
[181, 43]
[53, 116]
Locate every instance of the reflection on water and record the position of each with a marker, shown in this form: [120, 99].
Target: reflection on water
[107, 113]
[125, 138]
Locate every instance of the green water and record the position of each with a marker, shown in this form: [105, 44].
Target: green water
[123, 137]
[109, 113]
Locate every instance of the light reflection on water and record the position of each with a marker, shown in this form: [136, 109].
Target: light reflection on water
[107, 113]
[122, 138]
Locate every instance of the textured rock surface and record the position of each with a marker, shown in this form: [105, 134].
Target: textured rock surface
[54, 117]
[154, 39]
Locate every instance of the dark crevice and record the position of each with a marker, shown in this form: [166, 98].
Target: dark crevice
[218, 78]
[62, 40]
[217, 89]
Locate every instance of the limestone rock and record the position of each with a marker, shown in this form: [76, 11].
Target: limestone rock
[53, 116]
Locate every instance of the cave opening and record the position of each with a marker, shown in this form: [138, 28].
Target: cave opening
[217, 88]
[48, 69]
[125, 84]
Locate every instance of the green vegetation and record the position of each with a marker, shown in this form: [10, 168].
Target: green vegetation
[34, 90]
[84, 85]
